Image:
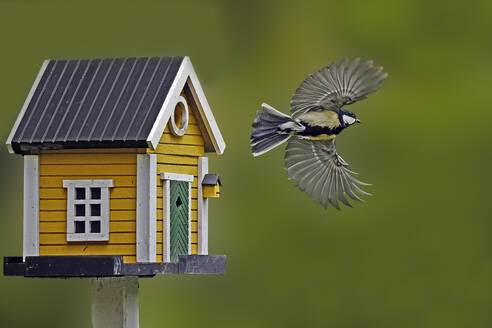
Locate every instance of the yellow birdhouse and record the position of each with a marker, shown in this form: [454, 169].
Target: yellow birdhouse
[211, 186]
[115, 167]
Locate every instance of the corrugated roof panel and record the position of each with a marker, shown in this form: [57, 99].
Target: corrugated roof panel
[82, 110]
[55, 103]
[96, 103]
[72, 92]
[135, 125]
[145, 125]
[103, 99]
[39, 99]
[129, 88]
[119, 126]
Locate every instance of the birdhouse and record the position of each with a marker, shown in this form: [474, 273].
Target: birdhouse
[116, 178]
[211, 186]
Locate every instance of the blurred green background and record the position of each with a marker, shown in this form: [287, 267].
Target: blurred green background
[416, 254]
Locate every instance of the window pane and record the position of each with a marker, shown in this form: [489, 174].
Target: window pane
[95, 226]
[95, 193]
[79, 210]
[95, 209]
[79, 226]
[79, 193]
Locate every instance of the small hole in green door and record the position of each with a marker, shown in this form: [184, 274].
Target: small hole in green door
[179, 202]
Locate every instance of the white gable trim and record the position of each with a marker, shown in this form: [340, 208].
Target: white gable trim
[24, 107]
[186, 71]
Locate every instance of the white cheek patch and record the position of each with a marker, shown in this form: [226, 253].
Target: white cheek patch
[348, 120]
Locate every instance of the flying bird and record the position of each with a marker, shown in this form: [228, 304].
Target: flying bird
[316, 119]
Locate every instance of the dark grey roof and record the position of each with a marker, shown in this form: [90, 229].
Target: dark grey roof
[211, 180]
[95, 103]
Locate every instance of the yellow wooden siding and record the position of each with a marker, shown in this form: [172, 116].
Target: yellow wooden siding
[179, 155]
[211, 191]
[118, 165]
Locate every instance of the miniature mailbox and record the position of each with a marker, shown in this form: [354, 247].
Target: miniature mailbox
[116, 180]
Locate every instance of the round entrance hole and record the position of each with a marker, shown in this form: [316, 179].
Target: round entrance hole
[179, 118]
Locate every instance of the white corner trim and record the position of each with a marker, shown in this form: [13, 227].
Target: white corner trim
[146, 207]
[31, 206]
[24, 107]
[177, 177]
[186, 71]
[202, 208]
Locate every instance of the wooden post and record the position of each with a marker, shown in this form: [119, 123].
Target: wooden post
[115, 302]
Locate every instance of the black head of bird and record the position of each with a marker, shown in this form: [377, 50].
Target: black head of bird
[347, 118]
[316, 119]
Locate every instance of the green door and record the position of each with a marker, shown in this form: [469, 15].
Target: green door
[179, 208]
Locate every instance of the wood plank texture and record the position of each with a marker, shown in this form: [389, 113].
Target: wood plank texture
[180, 155]
[88, 169]
[85, 249]
[184, 140]
[173, 149]
[120, 166]
[175, 168]
[77, 159]
[176, 159]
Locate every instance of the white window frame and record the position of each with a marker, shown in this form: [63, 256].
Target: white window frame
[166, 210]
[103, 235]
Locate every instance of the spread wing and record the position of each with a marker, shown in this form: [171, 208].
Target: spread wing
[320, 172]
[337, 85]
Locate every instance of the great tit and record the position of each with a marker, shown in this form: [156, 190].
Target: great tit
[317, 118]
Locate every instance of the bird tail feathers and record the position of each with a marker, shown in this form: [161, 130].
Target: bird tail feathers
[270, 129]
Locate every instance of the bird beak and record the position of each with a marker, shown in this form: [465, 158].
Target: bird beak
[357, 120]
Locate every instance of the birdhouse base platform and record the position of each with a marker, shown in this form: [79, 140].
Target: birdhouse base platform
[91, 266]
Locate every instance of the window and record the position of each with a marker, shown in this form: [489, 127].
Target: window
[87, 209]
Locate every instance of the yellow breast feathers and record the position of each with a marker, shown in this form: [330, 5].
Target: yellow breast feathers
[325, 118]
[322, 137]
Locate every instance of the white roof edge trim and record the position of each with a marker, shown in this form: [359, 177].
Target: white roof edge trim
[211, 124]
[185, 71]
[165, 112]
[26, 104]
